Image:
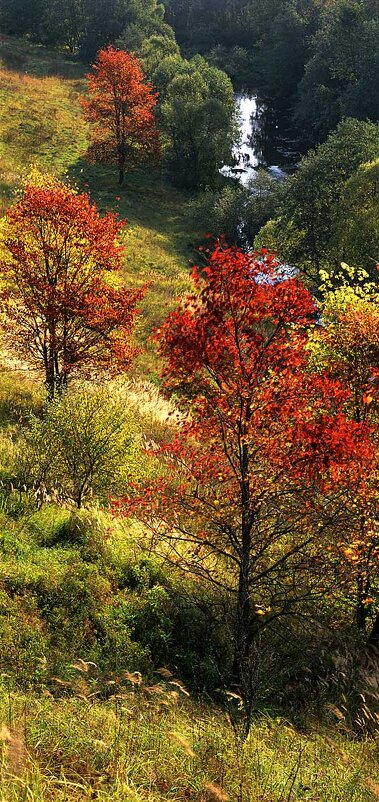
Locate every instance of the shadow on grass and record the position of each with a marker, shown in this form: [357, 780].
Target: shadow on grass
[144, 200]
[21, 55]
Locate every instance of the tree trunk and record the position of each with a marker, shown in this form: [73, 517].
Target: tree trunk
[50, 378]
[243, 625]
[363, 590]
[121, 149]
[243, 629]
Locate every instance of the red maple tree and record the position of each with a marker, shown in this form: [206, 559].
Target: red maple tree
[61, 313]
[252, 481]
[120, 110]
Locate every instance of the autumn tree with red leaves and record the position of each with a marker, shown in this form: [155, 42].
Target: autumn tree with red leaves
[61, 312]
[253, 479]
[120, 110]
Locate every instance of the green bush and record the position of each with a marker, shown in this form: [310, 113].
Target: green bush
[84, 447]
[237, 212]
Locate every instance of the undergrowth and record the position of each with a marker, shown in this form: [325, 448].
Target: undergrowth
[153, 743]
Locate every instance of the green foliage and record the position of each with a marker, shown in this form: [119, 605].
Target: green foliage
[356, 223]
[78, 584]
[198, 120]
[340, 77]
[235, 61]
[261, 44]
[143, 19]
[304, 56]
[303, 234]
[155, 49]
[18, 397]
[147, 741]
[84, 447]
[84, 25]
[237, 212]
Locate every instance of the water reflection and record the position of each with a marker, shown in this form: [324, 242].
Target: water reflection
[263, 142]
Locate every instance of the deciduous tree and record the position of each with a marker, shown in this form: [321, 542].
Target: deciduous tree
[198, 119]
[120, 108]
[61, 312]
[253, 479]
[304, 234]
[348, 346]
[81, 448]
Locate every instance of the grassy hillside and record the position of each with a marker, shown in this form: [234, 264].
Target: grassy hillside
[147, 745]
[44, 125]
[43, 121]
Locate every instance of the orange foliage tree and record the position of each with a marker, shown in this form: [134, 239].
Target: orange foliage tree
[348, 345]
[120, 110]
[255, 476]
[60, 311]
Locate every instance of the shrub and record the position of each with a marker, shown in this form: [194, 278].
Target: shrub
[238, 212]
[84, 447]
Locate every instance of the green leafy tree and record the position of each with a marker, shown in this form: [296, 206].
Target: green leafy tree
[155, 49]
[104, 23]
[145, 18]
[356, 233]
[83, 447]
[198, 120]
[342, 73]
[237, 212]
[128, 22]
[303, 233]
[282, 54]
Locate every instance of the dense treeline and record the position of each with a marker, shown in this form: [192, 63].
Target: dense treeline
[306, 56]
[84, 25]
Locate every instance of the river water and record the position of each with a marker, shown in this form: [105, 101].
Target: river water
[262, 143]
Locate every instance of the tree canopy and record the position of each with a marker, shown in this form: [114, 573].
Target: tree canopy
[120, 107]
[61, 312]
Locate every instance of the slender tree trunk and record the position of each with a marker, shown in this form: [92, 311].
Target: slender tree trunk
[50, 376]
[360, 615]
[52, 366]
[243, 637]
[121, 160]
[242, 663]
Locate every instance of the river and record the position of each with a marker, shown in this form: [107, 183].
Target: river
[263, 143]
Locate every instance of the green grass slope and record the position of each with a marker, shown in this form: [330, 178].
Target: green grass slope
[42, 124]
[147, 745]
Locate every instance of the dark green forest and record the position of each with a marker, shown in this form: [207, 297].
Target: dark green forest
[315, 61]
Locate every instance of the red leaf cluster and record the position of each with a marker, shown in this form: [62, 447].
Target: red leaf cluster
[120, 110]
[60, 310]
[266, 448]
